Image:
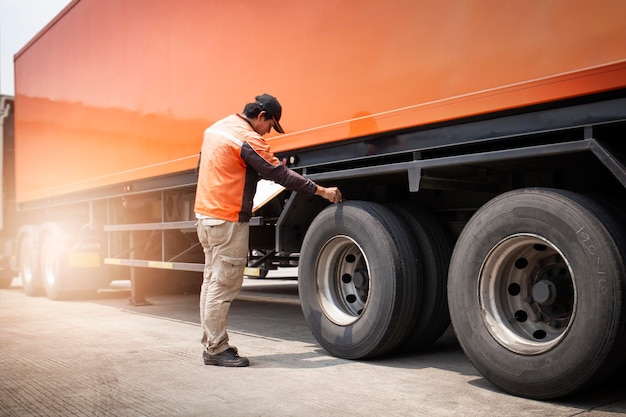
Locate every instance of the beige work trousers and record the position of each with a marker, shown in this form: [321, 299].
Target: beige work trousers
[225, 252]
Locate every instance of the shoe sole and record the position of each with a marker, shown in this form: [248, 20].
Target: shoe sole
[227, 364]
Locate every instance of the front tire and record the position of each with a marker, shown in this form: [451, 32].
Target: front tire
[536, 292]
[359, 286]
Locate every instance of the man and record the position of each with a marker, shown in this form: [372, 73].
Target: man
[234, 156]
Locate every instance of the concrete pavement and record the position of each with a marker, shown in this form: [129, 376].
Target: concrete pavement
[104, 357]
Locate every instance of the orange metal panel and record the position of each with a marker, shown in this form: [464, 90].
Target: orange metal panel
[592, 80]
[114, 91]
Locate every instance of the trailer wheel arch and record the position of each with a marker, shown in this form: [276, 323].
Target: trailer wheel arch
[585, 241]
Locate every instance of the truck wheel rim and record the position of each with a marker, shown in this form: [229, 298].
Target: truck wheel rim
[342, 280]
[527, 294]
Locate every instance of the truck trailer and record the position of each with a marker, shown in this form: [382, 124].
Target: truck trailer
[479, 146]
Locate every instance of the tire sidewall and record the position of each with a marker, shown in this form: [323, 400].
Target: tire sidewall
[354, 340]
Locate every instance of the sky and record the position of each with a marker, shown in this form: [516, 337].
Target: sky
[20, 20]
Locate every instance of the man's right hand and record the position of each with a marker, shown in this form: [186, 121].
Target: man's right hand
[331, 194]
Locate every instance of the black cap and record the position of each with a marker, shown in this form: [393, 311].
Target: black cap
[273, 109]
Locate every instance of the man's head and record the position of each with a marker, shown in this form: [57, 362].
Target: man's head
[264, 113]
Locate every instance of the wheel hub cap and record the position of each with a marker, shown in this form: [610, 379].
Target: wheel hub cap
[527, 294]
[342, 280]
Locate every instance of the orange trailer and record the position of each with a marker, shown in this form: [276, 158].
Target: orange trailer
[141, 80]
[478, 146]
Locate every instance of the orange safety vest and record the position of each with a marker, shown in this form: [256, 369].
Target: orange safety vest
[233, 158]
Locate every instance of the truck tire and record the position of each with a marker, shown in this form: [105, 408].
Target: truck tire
[434, 249]
[358, 283]
[52, 246]
[28, 263]
[536, 292]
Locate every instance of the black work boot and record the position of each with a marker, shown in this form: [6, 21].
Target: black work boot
[229, 357]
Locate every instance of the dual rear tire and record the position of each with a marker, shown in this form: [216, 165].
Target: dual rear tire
[536, 287]
[367, 284]
[45, 267]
